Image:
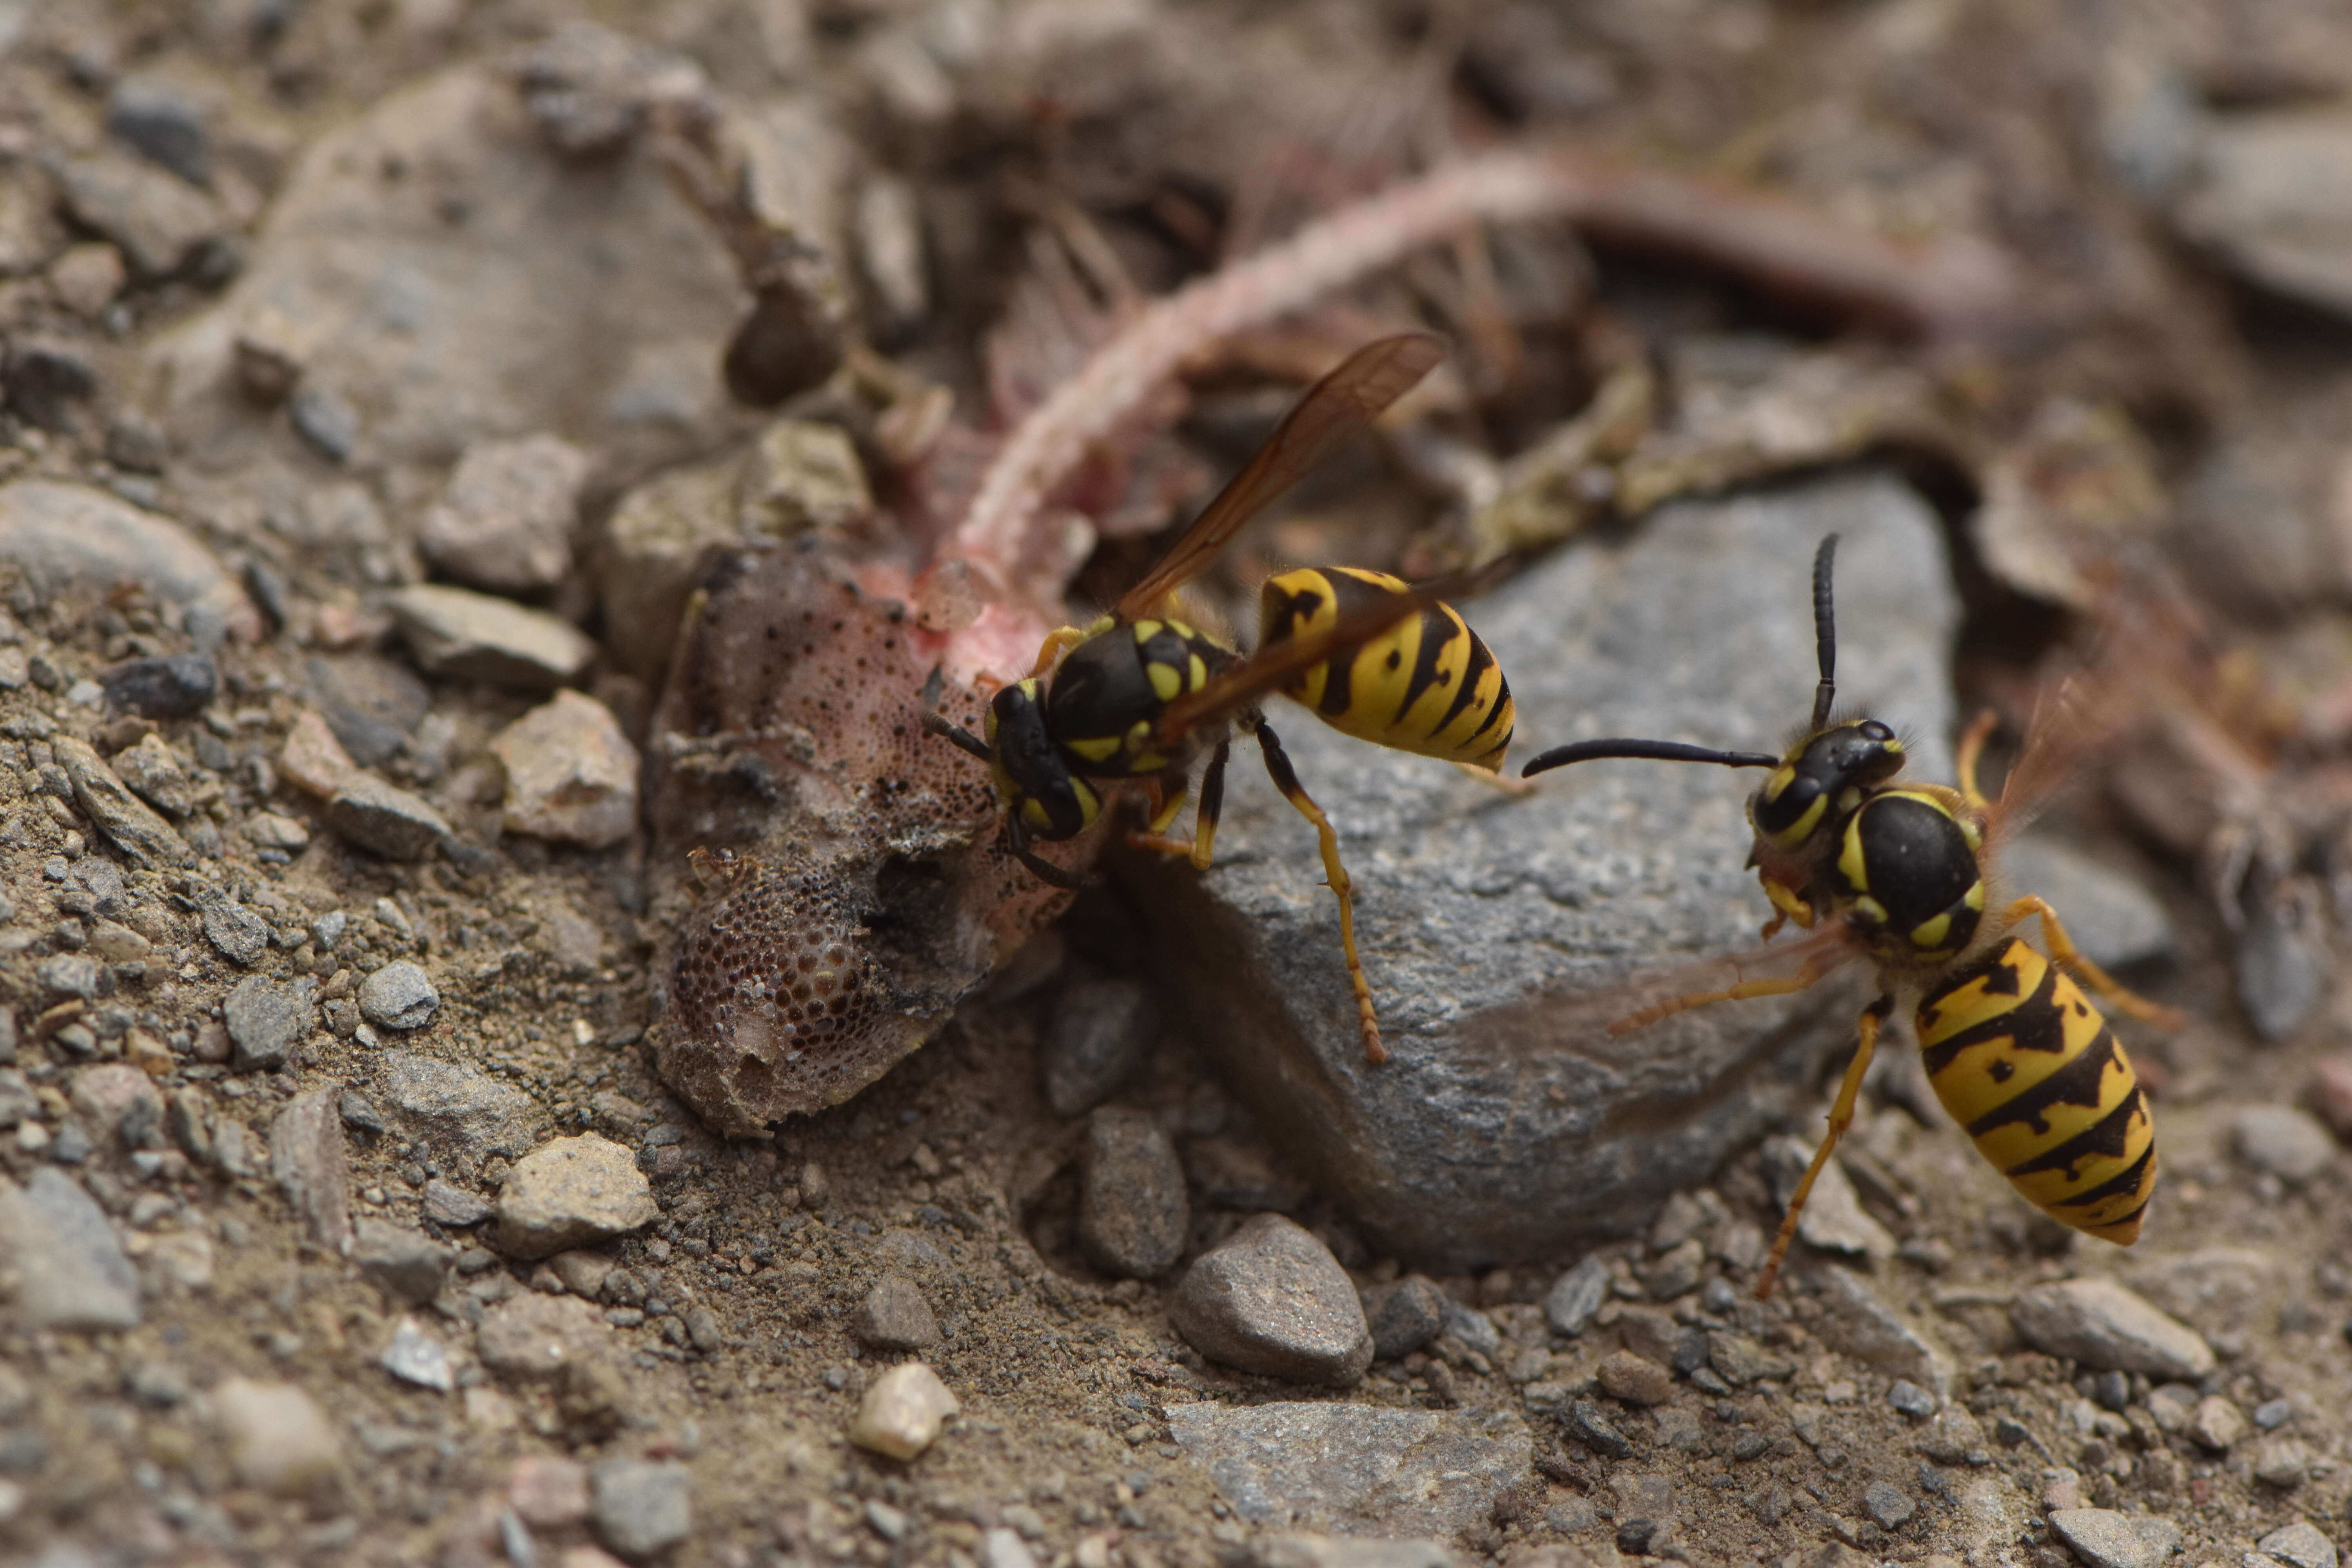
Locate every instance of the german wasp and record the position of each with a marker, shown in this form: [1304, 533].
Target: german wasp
[1135, 697]
[1898, 876]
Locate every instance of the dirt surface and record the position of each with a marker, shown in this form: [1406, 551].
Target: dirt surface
[273, 1284]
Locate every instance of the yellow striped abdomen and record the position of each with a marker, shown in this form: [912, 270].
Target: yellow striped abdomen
[1430, 685]
[2031, 1071]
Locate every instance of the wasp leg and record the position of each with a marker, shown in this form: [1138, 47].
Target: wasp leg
[1971, 747]
[1015, 842]
[2063, 954]
[1058, 641]
[1840, 1117]
[947, 728]
[1212, 805]
[1804, 979]
[1286, 779]
[1164, 813]
[1517, 789]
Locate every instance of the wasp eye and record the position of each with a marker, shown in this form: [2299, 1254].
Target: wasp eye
[1872, 730]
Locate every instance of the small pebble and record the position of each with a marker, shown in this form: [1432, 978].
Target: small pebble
[571, 773]
[395, 824]
[506, 522]
[239, 934]
[1271, 1298]
[547, 1491]
[467, 635]
[400, 995]
[323, 417]
[1911, 1399]
[279, 1439]
[416, 1356]
[1889, 1508]
[1404, 1315]
[174, 687]
[1133, 1212]
[2215, 1424]
[2101, 1324]
[641, 1507]
[572, 1192]
[1587, 1425]
[152, 770]
[403, 1263]
[2290, 1145]
[2274, 1414]
[1637, 1380]
[1576, 1297]
[164, 122]
[895, 1317]
[2283, 1462]
[1101, 1032]
[2302, 1544]
[903, 1411]
[2107, 1538]
[265, 1021]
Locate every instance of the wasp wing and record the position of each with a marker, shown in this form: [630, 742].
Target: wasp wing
[1784, 967]
[1275, 666]
[1334, 411]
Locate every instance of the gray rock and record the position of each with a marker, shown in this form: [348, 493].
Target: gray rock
[1911, 1399]
[571, 773]
[70, 975]
[542, 1337]
[1834, 1219]
[159, 223]
[1100, 1031]
[452, 1206]
[18, 1100]
[416, 1356]
[2273, 200]
[326, 419]
[2302, 1544]
[176, 685]
[1271, 1298]
[1133, 1214]
[395, 824]
[1889, 1508]
[372, 704]
[237, 931]
[2110, 914]
[1479, 918]
[571, 1192]
[265, 1021]
[45, 381]
[1404, 1315]
[1740, 1360]
[70, 1268]
[278, 1438]
[164, 122]
[2289, 1143]
[641, 1507]
[1855, 1322]
[506, 522]
[400, 995]
[474, 637]
[2282, 961]
[2107, 1538]
[481, 1114]
[153, 773]
[895, 1317]
[403, 1263]
[307, 1157]
[2101, 1324]
[1354, 1470]
[2284, 1462]
[131, 823]
[1346, 1551]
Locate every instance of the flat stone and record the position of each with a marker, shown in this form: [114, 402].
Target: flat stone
[2106, 1539]
[70, 1267]
[166, 122]
[128, 822]
[308, 1158]
[895, 1317]
[506, 522]
[70, 974]
[2291, 1144]
[174, 687]
[265, 1021]
[400, 995]
[159, 222]
[312, 759]
[1403, 1316]
[1834, 1219]
[1855, 1324]
[571, 773]
[237, 931]
[1740, 1360]
[395, 824]
[541, 1336]
[454, 1206]
[2274, 200]
[152, 772]
[1887, 1507]
[548, 1491]
[467, 635]
[1636, 1380]
[641, 1507]
[62, 533]
[2110, 914]
[278, 1440]
[372, 705]
[572, 1192]
[1354, 1470]
[1133, 1214]
[1297, 1550]
[402, 1262]
[415, 1355]
[1100, 1033]
[1271, 1298]
[1477, 924]
[903, 1411]
[2101, 1324]
[2302, 1544]
[326, 419]
[483, 1115]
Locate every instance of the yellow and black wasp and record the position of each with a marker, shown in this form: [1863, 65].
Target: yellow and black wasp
[1899, 876]
[1136, 696]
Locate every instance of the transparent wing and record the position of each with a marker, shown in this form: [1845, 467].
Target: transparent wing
[1271, 669]
[1334, 410]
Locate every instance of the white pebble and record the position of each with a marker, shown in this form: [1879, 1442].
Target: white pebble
[901, 1415]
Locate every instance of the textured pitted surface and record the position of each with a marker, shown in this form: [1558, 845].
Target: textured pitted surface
[1507, 1124]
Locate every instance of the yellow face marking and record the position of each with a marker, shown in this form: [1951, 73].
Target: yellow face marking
[1797, 832]
[1197, 672]
[1033, 811]
[1870, 909]
[1975, 897]
[1146, 630]
[1096, 751]
[1089, 803]
[1167, 681]
[1928, 935]
[1851, 864]
[1971, 832]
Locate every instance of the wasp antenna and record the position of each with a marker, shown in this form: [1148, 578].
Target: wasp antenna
[1824, 632]
[1650, 750]
[940, 724]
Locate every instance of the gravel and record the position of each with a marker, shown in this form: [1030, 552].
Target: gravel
[571, 1192]
[1133, 1213]
[400, 995]
[2102, 1324]
[1271, 1298]
[1354, 1469]
[403, 1263]
[478, 1114]
[241, 935]
[1855, 1324]
[506, 522]
[1576, 1296]
[641, 1508]
[571, 773]
[311, 1165]
[131, 823]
